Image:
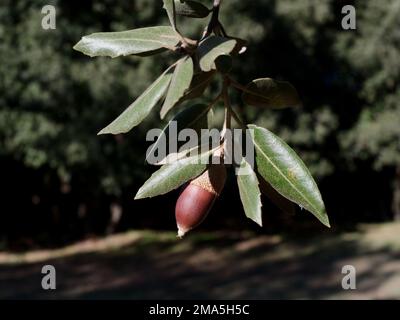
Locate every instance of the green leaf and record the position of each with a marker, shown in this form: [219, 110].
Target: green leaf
[191, 9]
[193, 117]
[276, 198]
[138, 41]
[141, 108]
[198, 85]
[249, 192]
[278, 164]
[169, 6]
[269, 93]
[180, 82]
[172, 176]
[211, 48]
[181, 154]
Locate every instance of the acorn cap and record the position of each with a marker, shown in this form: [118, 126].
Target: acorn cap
[212, 180]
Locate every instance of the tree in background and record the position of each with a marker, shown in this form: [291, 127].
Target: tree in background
[373, 56]
[51, 104]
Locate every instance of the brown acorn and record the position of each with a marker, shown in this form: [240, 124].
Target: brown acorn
[197, 198]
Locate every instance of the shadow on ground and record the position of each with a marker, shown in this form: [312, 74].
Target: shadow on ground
[147, 265]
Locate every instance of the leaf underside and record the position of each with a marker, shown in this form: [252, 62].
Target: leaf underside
[272, 94]
[249, 192]
[171, 176]
[193, 117]
[211, 48]
[180, 82]
[142, 106]
[191, 9]
[198, 85]
[169, 6]
[137, 41]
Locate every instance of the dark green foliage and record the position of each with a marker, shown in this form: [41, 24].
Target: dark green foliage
[52, 100]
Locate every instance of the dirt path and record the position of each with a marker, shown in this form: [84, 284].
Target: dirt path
[149, 265]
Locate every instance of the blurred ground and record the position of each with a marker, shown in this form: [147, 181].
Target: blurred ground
[224, 265]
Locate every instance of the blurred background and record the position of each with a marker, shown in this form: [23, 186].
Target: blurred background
[67, 194]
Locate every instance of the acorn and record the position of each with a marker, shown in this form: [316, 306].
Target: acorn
[198, 197]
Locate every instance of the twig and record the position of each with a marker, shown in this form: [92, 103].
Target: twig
[223, 30]
[237, 85]
[244, 89]
[237, 119]
[227, 122]
[214, 21]
[213, 102]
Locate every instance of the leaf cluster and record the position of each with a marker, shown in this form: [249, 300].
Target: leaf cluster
[279, 172]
